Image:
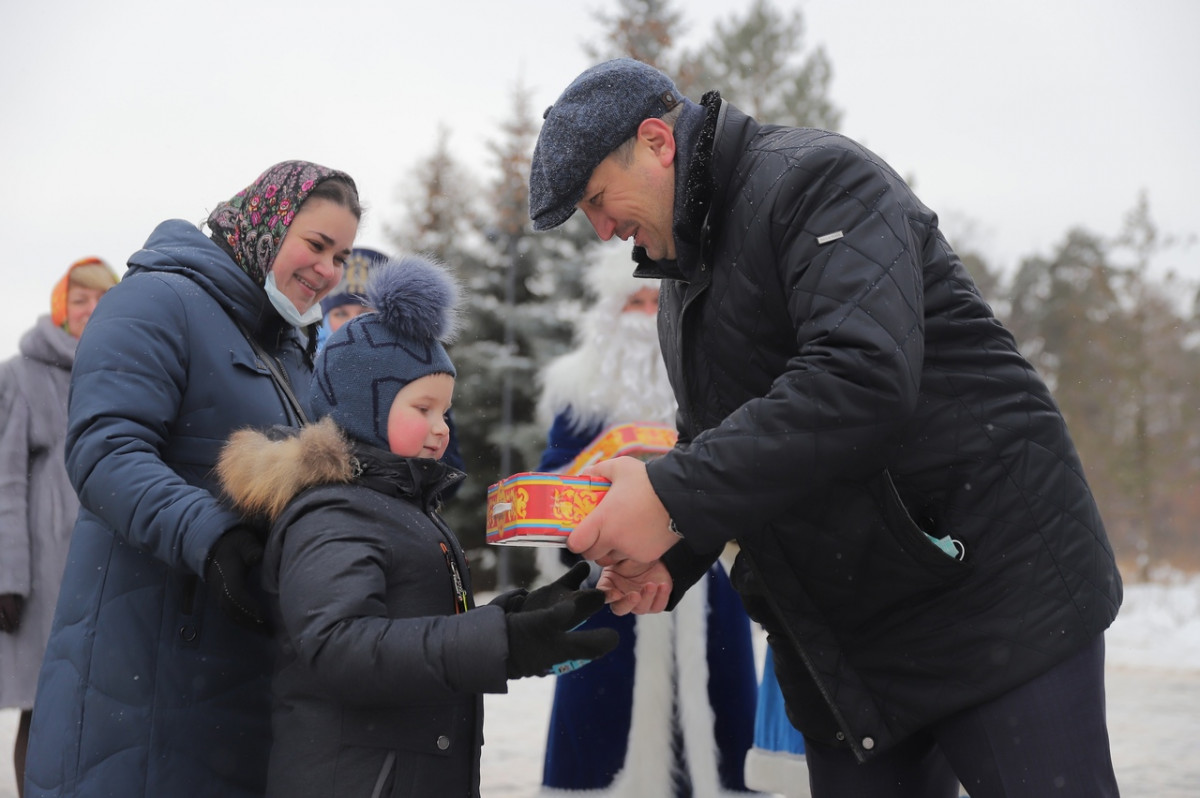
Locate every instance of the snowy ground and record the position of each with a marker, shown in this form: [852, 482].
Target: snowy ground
[1153, 695]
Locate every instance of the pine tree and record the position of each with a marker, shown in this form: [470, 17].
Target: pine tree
[755, 61]
[1120, 356]
[521, 290]
[650, 30]
[440, 208]
[1161, 406]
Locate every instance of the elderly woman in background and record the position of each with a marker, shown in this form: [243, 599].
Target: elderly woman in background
[37, 503]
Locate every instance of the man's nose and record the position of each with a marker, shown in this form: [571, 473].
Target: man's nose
[604, 226]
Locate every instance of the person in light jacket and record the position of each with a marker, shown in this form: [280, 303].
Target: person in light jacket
[37, 503]
[156, 676]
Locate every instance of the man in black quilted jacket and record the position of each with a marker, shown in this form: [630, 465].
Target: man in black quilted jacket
[917, 534]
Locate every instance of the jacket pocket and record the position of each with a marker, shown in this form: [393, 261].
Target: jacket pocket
[869, 561]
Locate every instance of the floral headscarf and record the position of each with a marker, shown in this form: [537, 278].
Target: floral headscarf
[253, 222]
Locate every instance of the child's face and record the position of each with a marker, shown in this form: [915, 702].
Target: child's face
[417, 421]
[343, 313]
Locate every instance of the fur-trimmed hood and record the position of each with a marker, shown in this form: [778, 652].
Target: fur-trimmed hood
[261, 472]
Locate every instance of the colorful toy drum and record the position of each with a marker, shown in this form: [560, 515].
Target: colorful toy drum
[540, 509]
[643, 440]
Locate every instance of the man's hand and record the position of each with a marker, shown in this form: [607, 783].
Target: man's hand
[629, 524]
[635, 587]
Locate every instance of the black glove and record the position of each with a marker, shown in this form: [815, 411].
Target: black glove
[227, 572]
[11, 605]
[549, 595]
[540, 641]
[510, 601]
[522, 600]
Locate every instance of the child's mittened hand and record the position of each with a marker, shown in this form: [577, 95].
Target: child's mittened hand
[510, 601]
[551, 594]
[541, 641]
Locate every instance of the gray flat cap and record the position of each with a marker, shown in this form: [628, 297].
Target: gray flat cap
[598, 112]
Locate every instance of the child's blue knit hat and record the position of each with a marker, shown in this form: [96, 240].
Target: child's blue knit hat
[365, 363]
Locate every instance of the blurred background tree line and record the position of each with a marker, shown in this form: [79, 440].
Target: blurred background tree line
[1117, 344]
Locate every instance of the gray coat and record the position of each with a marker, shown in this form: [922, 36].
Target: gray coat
[37, 503]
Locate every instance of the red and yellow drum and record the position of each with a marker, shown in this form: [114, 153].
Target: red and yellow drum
[540, 509]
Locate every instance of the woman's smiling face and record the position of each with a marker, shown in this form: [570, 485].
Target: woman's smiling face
[314, 250]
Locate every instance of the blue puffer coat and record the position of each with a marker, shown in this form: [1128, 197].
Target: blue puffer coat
[147, 688]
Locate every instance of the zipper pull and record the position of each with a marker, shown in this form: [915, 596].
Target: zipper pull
[460, 594]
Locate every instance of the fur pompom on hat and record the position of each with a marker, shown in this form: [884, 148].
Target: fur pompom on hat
[373, 356]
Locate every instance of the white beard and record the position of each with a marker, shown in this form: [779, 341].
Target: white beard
[615, 376]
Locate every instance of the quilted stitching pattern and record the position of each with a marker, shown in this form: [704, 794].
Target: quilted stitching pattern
[806, 369]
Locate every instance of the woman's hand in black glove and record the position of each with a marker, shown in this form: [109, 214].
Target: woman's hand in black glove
[227, 572]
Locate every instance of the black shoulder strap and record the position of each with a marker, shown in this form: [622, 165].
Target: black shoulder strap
[282, 384]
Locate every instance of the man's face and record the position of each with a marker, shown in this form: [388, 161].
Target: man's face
[634, 201]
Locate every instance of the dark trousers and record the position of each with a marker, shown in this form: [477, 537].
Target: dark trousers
[1047, 737]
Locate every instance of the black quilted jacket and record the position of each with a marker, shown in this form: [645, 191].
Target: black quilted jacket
[844, 392]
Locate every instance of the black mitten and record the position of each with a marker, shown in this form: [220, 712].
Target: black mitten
[540, 641]
[510, 601]
[11, 606]
[227, 572]
[521, 600]
[549, 595]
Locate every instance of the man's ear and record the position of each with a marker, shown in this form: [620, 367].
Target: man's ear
[659, 137]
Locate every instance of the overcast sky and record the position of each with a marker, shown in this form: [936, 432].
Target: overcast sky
[1016, 120]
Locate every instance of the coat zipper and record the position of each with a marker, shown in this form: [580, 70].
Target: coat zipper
[460, 593]
[855, 745]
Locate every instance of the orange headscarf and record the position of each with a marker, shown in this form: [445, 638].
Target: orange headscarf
[58, 297]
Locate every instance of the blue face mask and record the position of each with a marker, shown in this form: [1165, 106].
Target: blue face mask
[287, 309]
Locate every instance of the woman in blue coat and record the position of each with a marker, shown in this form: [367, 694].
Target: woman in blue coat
[156, 676]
